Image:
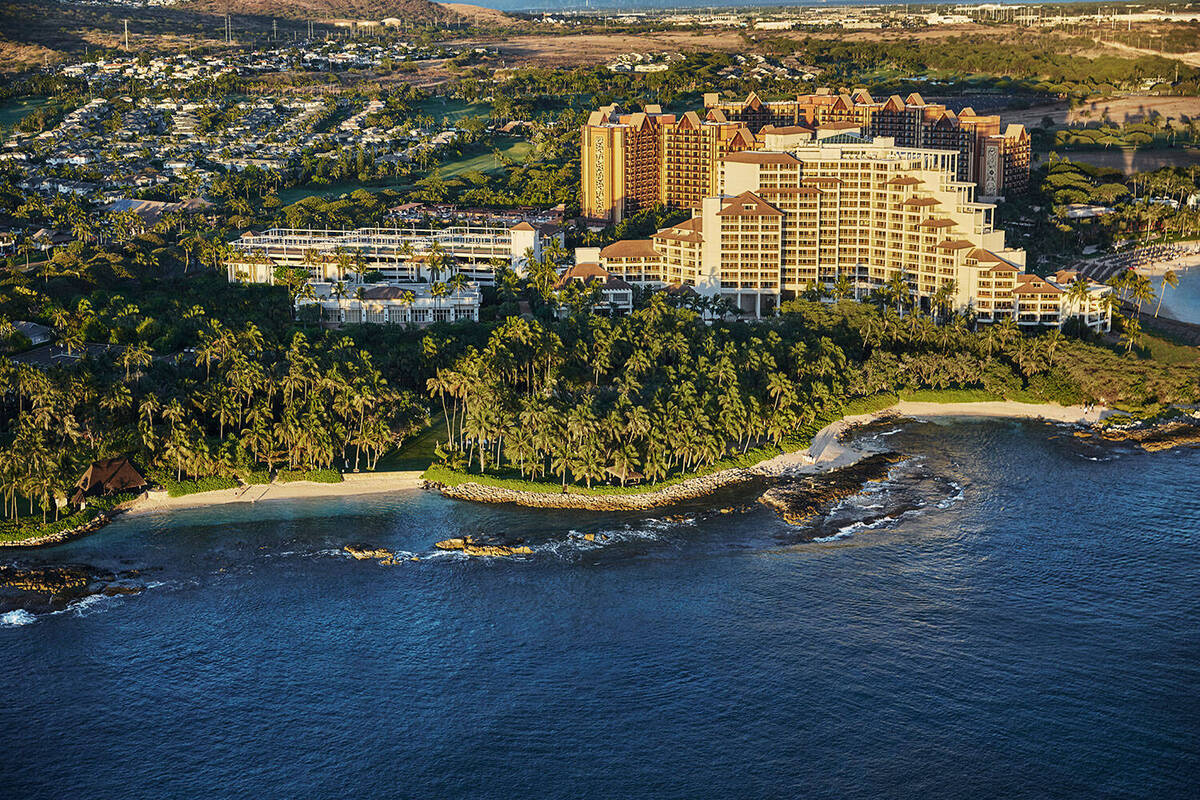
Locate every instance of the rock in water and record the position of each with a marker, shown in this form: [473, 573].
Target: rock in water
[801, 500]
[51, 588]
[472, 547]
[363, 552]
[66, 579]
[452, 544]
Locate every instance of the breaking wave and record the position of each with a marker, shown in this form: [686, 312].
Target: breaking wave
[17, 618]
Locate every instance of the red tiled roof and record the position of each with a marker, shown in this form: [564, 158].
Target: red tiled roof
[760, 157]
[748, 204]
[630, 248]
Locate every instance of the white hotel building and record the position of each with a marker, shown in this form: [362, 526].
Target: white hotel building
[411, 261]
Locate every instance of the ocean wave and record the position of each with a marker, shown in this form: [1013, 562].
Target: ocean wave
[959, 494]
[577, 542]
[846, 531]
[17, 618]
[92, 604]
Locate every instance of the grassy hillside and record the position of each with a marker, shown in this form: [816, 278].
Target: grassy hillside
[408, 10]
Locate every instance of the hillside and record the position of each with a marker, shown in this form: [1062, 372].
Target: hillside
[408, 10]
[479, 15]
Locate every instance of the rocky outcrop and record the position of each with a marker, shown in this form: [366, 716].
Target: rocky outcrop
[363, 552]
[51, 580]
[799, 501]
[472, 547]
[41, 589]
[689, 489]
[1154, 438]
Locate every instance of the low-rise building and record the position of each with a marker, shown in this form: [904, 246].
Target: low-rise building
[401, 254]
[389, 304]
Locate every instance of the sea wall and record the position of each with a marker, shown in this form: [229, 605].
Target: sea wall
[59, 537]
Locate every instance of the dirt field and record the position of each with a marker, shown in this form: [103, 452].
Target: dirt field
[571, 50]
[1129, 108]
[481, 15]
[1118, 48]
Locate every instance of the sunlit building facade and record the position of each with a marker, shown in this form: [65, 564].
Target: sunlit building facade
[846, 212]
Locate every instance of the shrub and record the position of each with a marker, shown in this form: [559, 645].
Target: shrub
[211, 483]
[311, 475]
[255, 477]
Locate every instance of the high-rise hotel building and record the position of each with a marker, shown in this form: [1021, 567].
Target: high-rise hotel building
[632, 161]
[809, 210]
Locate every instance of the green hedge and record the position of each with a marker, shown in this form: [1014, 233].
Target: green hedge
[950, 396]
[439, 473]
[210, 484]
[256, 477]
[312, 475]
[870, 405]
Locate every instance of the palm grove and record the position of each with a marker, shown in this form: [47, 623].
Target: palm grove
[238, 406]
[661, 393]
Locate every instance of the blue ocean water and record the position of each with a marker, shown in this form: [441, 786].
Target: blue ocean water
[1183, 301]
[1013, 613]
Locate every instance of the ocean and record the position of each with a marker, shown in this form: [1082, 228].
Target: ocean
[1012, 613]
[1183, 301]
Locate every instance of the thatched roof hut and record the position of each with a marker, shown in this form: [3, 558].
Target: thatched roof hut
[107, 477]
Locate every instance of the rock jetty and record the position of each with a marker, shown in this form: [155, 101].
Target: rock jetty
[685, 490]
[799, 501]
[91, 526]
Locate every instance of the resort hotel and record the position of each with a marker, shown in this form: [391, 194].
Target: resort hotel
[636, 160]
[395, 275]
[831, 207]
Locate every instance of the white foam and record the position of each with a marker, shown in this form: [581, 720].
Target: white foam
[87, 605]
[15, 619]
[959, 494]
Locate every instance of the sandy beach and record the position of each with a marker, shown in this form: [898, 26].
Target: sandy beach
[827, 453]
[353, 484]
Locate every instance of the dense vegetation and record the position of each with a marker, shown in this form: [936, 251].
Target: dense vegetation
[659, 393]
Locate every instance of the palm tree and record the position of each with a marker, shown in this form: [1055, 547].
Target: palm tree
[137, 356]
[1169, 279]
[1078, 293]
[1133, 332]
[1142, 292]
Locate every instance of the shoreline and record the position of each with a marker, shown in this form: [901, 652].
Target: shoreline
[826, 453]
[353, 483]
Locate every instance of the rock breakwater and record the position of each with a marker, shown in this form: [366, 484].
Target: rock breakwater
[689, 489]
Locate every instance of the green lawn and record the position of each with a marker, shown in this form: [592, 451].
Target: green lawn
[477, 158]
[442, 107]
[16, 110]
[480, 159]
[416, 454]
[1168, 352]
[333, 190]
